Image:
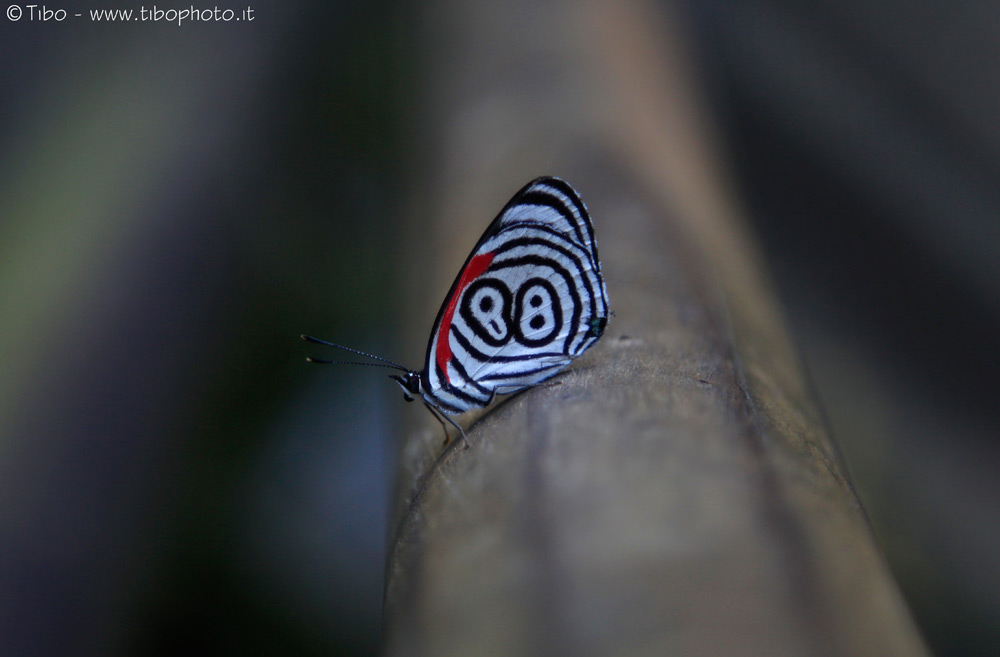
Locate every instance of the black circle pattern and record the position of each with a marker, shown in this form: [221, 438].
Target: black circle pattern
[485, 307]
[537, 324]
[532, 315]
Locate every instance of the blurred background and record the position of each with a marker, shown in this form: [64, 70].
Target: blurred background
[179, 203]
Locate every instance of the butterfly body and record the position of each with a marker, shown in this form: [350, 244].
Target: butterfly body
[528, 300]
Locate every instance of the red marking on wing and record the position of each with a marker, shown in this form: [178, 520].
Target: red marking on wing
[472, 271]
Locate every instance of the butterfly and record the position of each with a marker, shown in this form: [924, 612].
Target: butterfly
[529, 299]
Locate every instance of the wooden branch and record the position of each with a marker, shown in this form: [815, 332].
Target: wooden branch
[675, 493]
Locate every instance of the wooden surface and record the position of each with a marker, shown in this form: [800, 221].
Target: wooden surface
[675, 492]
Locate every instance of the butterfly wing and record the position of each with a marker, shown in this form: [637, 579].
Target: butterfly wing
[529, 299]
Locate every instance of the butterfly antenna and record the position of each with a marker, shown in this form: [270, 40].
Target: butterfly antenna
[323, 361]
[388, 363]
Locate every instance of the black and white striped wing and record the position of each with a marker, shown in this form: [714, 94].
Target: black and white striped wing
[529, 300]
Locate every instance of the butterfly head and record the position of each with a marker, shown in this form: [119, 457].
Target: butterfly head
[409, 382]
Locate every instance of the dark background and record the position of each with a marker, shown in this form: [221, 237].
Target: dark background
[178, 203]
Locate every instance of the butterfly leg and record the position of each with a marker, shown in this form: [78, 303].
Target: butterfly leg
[438, 415]
[460, 430]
